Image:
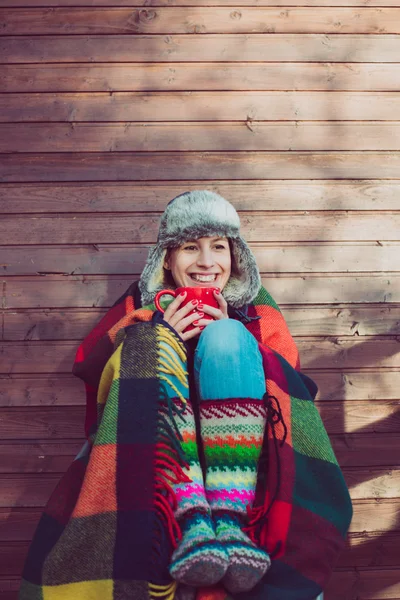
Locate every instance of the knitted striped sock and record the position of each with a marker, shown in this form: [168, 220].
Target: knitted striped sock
[247, 563]
[199, 560]
[232, 431]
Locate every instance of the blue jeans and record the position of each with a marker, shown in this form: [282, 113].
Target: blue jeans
[227, 362]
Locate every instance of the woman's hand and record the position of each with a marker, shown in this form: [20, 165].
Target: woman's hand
[216, 313]
[179, 318]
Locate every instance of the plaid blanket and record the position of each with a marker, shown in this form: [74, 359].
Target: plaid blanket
[108, 530]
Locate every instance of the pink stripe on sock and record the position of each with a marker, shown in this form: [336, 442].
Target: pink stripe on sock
[244, 496]
[188, 491]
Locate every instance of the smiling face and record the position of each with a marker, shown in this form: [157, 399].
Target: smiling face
[205, 262]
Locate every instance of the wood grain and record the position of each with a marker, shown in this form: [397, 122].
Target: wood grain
[130, 166]
[380, 515]
[71, 324]
[354, 450]
[193, 137]
[364, 584]
[245, 195]
[199, 106]
[54, 291]
[66, 390]
[283, 47]
[120, 77]
[143, 228]
[376, 416]
[371, 385]
[375, 515]
[371, 482]
[42, 391]
[33, 490]
[285, 257]
[38, 456]
[172, 20]
[317, 353]
[42, 423]
[57, 422]
[43, 456]
[368, 550]
[18, 524]
[167, 3]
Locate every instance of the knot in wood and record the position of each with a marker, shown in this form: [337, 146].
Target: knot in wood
[147, 15]
[236, 15]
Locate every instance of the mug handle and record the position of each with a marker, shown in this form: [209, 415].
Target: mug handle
[158, 296]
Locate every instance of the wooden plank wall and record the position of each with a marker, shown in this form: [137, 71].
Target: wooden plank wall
[108, 110]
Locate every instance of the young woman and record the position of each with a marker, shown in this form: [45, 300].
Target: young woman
[207, 473]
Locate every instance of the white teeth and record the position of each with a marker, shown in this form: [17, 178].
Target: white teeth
[203, 278]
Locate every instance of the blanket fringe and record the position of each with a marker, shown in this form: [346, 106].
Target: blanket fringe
[169, 456]
[164, 592]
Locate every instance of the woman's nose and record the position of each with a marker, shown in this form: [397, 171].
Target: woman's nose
[205, 259]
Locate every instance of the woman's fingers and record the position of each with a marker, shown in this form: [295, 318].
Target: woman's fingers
[173, 307]
[222, 303]
[190, 334]
[217, 313]
[182, 313]
[185, 322]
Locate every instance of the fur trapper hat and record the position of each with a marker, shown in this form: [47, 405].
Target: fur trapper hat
[190, 216]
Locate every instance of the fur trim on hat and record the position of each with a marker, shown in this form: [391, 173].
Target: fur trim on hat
[190, 216]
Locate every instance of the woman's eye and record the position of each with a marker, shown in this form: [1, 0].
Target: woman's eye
[220, 247]
[190, 248]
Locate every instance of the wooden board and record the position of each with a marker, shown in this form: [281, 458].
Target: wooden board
[147, 3]
[42, 391]
[376, 482]
[38, 456]
[33, 490]
[66, 390]
[381, 515]
[122, 77]
[316, 353]
[373, 550]
[376, 416]
[285, 47]
[245, 195]
[171, 20]
[71, 324]
[90, 291]
[143, 228]
[354, 450]
[285, 257]
[364, 584]
[175, 166]
[42, 423]
[193, 137]
[36, 423]
[371, 384]
[44, 456]
[199, 106]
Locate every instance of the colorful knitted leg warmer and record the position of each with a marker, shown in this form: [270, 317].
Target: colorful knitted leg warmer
[199, 558]
[232, 432]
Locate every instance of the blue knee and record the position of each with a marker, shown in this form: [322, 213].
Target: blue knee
[228, 362]
[224, 337]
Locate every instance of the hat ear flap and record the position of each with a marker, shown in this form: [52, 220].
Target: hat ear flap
[152, 279]
[245, 281]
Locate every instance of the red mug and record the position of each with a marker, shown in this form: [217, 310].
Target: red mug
[204, 295]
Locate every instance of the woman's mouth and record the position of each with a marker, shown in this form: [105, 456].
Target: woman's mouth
[203, 278]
